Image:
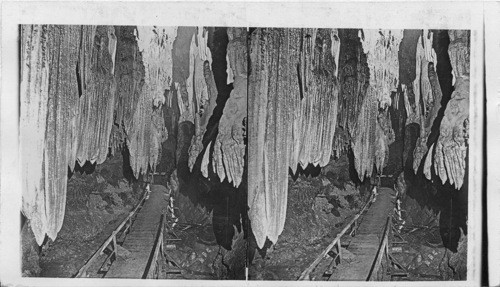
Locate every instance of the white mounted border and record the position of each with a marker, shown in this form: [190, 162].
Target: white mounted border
[492, 78]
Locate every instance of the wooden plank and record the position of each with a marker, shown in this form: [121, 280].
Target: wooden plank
[366, 243]
[306, 273]
[141, 239]
[112, 238]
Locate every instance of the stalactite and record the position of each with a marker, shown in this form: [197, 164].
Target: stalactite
[35, 59]
[147, 130]
[112, 42]
[129, 73]
[427, 95]
[68, 92]
[229, 146]
[50, 59]
[412, 91]
[96, 106]
[451, 147]
[204, 91]
[385, 136]
[293, 100]
[362, 141]
[353, 81]
[381, 48]
[184, 52]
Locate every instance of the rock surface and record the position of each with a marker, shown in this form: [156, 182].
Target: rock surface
[293, 99]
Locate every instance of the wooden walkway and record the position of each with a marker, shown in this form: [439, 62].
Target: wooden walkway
[141, 239]
[365, 244]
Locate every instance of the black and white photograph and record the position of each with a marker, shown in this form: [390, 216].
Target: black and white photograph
[239, 143]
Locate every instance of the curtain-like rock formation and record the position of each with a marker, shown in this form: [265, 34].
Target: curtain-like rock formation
[450, 150]
[147, 129]
[371, 137]
[293, 95]
[35, 71]
[204, 90]
[422, 97]
[55, 99]
[129, 75]
[381, 48]
[98, 98]
[72, 110]
[353, 81]
[229, 146]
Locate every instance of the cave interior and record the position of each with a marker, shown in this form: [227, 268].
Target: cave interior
[268, 140]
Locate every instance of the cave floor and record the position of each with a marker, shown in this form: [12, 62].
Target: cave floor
[317, 211]
[65, 256]
[93, 210]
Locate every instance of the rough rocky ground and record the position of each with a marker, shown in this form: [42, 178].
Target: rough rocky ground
[97, 201]
[424, 255]
[316, 212]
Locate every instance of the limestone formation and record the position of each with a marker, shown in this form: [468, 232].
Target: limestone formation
[72, 111]
[204, 90]
[147, 129]
[293, 100]
[229, 146]
[452, 145]
[369, 141]
[427, 91]
[300, 97]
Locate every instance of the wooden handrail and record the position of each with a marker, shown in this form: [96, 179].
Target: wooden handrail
[382, 250]
[305, 274]
[158, 246]
[111, 238]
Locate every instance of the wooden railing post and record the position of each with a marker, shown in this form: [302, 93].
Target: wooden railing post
[127, 223]
[339, 250]
[115, 246]
[305, 275]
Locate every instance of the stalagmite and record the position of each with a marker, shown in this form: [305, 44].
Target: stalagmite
[292, 116]
[452, 144]
[229, 147]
